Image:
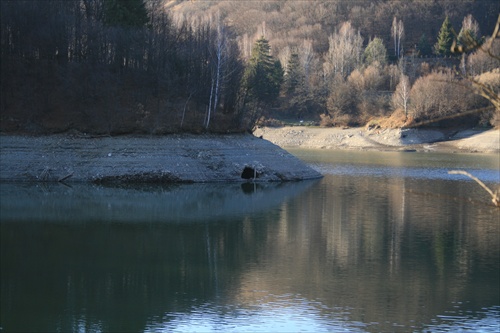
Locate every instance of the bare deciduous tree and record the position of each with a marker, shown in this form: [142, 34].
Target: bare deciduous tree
[397, 32]
[344, 52]
[435, 96]
[306, 57]
[401, 96]
[341, 100]
[284, 57]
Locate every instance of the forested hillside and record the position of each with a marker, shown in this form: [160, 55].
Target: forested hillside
[289, 22]
[349, 62]
[115, 66]
[160, 66]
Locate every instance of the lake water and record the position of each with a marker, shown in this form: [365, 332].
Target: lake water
[385, 242]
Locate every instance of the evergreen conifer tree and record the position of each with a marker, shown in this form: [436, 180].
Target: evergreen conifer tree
[469, 36]
[263, 75]
[445, 38]
[423, 46]
[375, 52]
[295, 87]
[293, 74]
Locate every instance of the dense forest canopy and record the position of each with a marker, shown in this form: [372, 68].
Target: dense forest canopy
[161, 66]
[115, 66]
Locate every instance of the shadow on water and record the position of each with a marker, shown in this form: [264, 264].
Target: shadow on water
[141, 203]
[97, 258]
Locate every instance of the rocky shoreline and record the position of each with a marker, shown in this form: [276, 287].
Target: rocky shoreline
[132, 159]
[460, 141]
[211, 158]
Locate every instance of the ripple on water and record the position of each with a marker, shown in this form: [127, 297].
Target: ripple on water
[305, 316]
[486, 321]
[284, 314]
[486, 175]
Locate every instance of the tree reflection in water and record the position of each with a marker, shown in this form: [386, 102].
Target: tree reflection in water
[348, 252]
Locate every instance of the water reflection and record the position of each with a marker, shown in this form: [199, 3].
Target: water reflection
[285, 314]
[347, 253]
[147, 203]
[399, 249]
[403, 164]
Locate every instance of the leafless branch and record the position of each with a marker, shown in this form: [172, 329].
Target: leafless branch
[494, 195]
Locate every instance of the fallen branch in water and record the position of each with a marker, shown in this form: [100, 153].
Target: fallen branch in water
[494, 195]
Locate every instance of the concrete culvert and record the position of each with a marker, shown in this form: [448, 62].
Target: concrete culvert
[248, 173]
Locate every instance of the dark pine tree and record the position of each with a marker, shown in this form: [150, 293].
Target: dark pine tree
[293, 74]
[445, 39]
[263, 75]
[424, 47]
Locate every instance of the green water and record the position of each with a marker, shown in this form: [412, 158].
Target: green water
[385, 242]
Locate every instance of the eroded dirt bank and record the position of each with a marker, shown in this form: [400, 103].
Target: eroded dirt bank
[175, 158]
[484, 141]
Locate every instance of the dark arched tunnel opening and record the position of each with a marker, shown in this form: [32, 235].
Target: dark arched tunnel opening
[249, 173]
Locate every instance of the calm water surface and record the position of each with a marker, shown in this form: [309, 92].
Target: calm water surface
[385, 242]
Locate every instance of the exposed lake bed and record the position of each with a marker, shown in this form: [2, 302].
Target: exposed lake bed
[411, 139]
[210, 158]
[137, 159]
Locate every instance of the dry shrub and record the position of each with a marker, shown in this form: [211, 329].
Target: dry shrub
[491, 118]
[373, 77]
[395, 120]
[342, 99]
[356, 80]
[345, 120]
[492, 81]
[269, 122]
[370, 102]
[373, 104]
[425, 69]
[342, 120]
[359, 98]
[495, 120]
[393, 73]
[481, 62]
[326, 121]
[439, 94]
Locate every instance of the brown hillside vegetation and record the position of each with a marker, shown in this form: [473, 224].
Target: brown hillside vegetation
[315, 31]
[289, 22]
[164, 66]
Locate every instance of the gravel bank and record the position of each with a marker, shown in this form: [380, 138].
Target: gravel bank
[129, 159]
[383, 139]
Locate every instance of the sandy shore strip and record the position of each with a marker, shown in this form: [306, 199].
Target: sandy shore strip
[467, 141]
[132, 159]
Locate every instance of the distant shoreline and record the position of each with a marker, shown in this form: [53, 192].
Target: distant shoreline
[459, 141]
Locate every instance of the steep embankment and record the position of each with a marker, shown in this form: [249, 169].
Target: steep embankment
[175, 158]
[384, 139]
